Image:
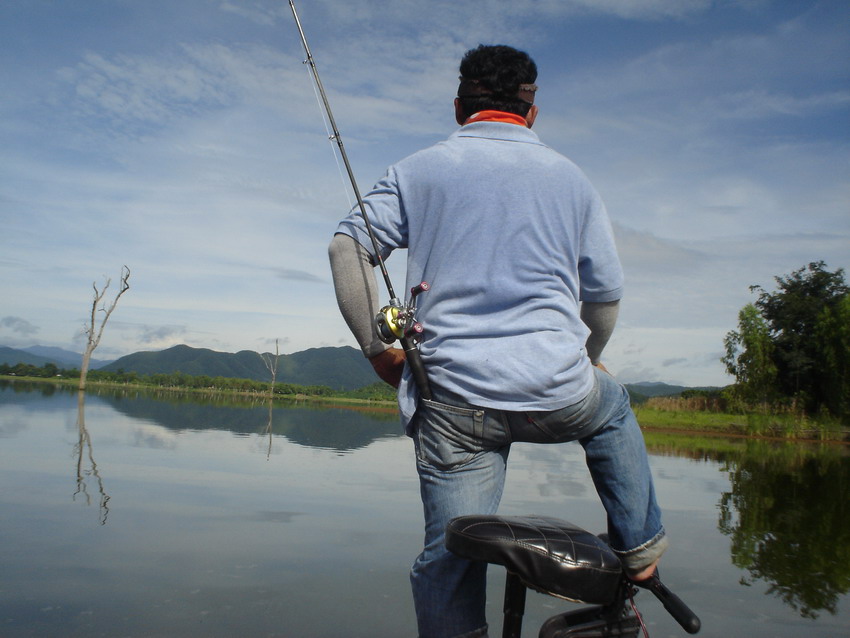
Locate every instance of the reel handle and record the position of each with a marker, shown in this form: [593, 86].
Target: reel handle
[417, 290]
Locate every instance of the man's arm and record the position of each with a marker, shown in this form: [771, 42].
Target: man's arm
[357, 297]
[601, 319]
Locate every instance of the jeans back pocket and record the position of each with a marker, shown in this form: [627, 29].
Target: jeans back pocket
[448, 436]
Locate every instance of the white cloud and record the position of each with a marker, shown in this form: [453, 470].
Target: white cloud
[259, 12]
[644, 9]
[19, 326]
[654, 256]
[760, 103]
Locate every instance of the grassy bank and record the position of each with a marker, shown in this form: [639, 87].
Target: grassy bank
[755, 424]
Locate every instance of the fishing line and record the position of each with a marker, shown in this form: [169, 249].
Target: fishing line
[338, 139]
[395, 321]
[330, 136]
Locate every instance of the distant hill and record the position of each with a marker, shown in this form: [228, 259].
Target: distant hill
[342, 368]
[65, 358]
[643, 390]
[42, 355]
[655, 388]
[12, 357]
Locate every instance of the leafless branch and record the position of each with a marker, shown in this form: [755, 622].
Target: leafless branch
[93, 331]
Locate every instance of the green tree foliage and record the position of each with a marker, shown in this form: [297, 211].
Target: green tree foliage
[46, 371]
[833, 332]
[171, 380]
[793, 343]
[749, 357]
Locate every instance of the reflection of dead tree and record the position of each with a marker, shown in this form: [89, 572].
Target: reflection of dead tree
[85, 442]
[93, 333]
[269, 430]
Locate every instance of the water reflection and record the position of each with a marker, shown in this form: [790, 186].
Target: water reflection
[787, 512]
[31, 390]
[788, 516]
[337, 428]
[781, 508]
[270, 427]
[82, 449]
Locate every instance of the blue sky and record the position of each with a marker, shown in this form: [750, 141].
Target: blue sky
[185, 140]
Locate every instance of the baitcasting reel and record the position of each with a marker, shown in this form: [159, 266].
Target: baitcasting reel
[397, 321]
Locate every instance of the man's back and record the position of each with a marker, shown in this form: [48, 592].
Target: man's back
[510, 235]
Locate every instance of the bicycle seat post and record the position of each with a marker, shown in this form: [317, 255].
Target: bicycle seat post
[514, 607]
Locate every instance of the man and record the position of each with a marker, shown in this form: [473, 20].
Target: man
[524, 286]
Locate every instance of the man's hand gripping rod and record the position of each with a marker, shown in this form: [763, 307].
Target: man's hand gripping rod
[395, 320]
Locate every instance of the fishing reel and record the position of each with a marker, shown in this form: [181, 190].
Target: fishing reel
[397, 321]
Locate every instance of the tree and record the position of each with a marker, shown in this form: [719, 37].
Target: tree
[92, 331]
[795, 338]
[271, 363]
[749, 358]
[793, 313]
[833, 332]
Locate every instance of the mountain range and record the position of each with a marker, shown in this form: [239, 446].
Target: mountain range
[42, 355]
[340, 368]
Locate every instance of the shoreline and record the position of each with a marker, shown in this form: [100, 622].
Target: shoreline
[654, 420]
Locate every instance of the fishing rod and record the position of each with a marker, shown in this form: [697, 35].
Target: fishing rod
[396, 320]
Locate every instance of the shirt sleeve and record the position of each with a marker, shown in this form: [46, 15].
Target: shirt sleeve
[385, 209]
[600, 271]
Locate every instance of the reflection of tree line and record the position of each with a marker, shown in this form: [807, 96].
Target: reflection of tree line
[24, 388]
[787, 514]
[301, 423]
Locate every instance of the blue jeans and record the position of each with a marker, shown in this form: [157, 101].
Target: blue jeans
[461, 457]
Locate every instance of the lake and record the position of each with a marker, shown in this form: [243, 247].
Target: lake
[142, 515]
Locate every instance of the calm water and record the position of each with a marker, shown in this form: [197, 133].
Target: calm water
[168, 517]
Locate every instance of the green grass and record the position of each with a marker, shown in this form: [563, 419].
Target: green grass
[781, 425]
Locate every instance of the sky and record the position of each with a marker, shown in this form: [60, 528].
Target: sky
[186, 141]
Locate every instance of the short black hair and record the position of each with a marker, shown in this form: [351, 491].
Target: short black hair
[500, 70]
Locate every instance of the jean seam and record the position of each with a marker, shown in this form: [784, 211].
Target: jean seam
[447, 407]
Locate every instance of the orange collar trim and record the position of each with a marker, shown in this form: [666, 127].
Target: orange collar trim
[497, 116]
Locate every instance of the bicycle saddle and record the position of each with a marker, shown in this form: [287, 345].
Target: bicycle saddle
[549, 555]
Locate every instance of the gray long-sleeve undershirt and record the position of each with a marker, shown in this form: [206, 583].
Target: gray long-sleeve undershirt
[356, 291]
[600, 318]
[357, 296]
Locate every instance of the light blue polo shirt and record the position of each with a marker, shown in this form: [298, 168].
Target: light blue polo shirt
[511, 236]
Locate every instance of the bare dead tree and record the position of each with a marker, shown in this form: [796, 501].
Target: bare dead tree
[94, 332]
[271, 364]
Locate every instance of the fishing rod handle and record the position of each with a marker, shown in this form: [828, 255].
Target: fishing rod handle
[414, 360]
